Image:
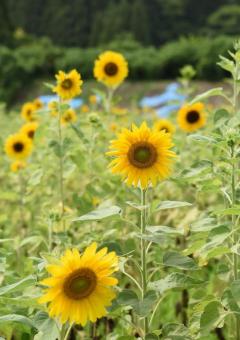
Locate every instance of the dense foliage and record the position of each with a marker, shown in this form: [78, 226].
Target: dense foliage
[176, 236]
[39, 58]
[85, 23]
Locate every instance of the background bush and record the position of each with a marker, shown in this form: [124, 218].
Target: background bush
[35, 59]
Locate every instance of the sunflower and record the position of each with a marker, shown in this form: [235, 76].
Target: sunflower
[69, 116]
[18, 146]
[93, 99]
[53, 107]
[17, 166]
[28, 111]
[38, 103]
[143, 156]
[68, 84]
[192, 117]
[164, 124]
[29, 129]
[80, 287]
[119, 111]
[111, 68]
[85, 108]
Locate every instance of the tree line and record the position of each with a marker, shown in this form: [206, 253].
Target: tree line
[87, 23]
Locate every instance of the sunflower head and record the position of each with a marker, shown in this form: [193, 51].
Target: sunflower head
[119, 111]
[28, 111]
[18, 165]
[80, 286]
[29, 129]
[142, 155]
[18, 146]
[111, 68]
[68, 84]
[38, 104]
[53, 108]
[92, 99]
[192, 117]
[164, 125]
[69, 116]
[85, 108]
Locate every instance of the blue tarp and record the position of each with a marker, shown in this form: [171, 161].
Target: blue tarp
[74, 103]
[166, 102]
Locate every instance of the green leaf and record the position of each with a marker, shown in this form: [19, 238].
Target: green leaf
[226, 64]
[229, 301]
[206, 224]
[201, 138]
[141, 307]
[12, 318]
[229, 211]
[175, 331]
[197, 169]
[47, 327]
[162, 229]
[19, 285]
[235, 289]
[99, 214]
[220, 114]
[137, 206]
[177, 260]
[174, 280]
[210, 93]
[172, 205]
[212, 316]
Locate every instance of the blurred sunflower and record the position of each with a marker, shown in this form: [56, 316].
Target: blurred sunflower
[38, 104]
[80, 287]
[17, 166]
[164, 125]
[28, 111]
[192, 117]
[111, 68]
[119, 111]
[142, 156]
[18, 146]
[29, 129]
[92, 99]
[69, 116]
[68, 84]
[85, 108]
[53, 107]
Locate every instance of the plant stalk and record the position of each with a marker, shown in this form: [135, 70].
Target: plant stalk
[61, 187]
[143, 253]
[235, 237]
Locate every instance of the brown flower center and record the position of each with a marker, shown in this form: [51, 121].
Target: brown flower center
[31, 134]
[111, 69]
[80, 284]
[193, 117]
[18, 147]
[68, 117]
[142, 155]
[164, 129]
[66, 84]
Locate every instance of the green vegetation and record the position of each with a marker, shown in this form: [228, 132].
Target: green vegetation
[148, 63]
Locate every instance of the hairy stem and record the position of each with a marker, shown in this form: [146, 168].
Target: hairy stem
[143, 253]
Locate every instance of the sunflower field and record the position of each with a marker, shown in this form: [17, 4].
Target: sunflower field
[116, 223]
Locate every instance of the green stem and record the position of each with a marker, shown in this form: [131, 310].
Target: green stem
[21, 199]
[109, 100]
[143, 253]
[68, 332]
[61, 188]
[235, 237]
